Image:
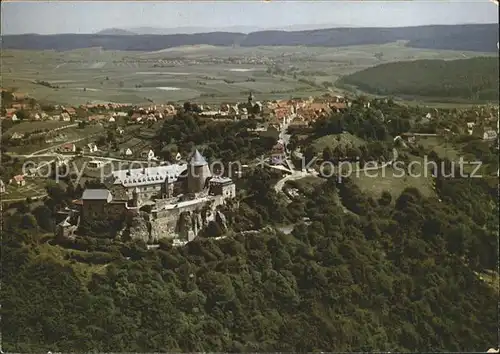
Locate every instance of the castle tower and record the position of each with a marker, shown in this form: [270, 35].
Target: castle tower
[198, 172]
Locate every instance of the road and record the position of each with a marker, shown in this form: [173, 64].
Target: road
[63, 156]
[54, 147]
[278, 187]
[300, 174]
[21, 199]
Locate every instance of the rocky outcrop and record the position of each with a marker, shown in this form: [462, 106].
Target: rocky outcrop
[138, 228]
[183, 225]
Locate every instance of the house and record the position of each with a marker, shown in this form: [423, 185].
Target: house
[92, 147]
[278, 154]
[19, 106]
[120, 131]
[127, 152]
[95, 164]
[2, 186]
[18, 95]
[338, 106]
[18, 180]
[9, 112]
[148, 154]
[484, 133]
[36, 116]
[70, 147]
[70, 110]
[470, 127]
[14, 118]
[65, 117]
[96, 117]
[17, 136]
[490, 135]
[298, 126]
[112, 119]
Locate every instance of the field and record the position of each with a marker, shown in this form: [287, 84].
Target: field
[392, 180]
[33, 188]
[27, 127]
[73, 134]
[442, 148]
[84, 271]
[193, 73]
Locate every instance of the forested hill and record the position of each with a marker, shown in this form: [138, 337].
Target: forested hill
[469, 79]
[477, 37]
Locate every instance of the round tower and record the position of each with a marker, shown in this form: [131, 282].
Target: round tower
[198, 173]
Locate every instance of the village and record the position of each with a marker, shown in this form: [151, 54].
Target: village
[110, 131]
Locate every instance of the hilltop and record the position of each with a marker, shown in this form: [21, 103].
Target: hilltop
[473, 79]
[115, 32]
[476, 37]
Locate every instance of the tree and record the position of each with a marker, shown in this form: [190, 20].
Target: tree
[44, 218]
[111, 136]
[21, 114]
[385, 199]
[309, 154]
[56, 192]
[327, 153]
[28, 222]
[213, 229]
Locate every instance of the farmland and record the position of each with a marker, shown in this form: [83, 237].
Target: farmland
[190, 73]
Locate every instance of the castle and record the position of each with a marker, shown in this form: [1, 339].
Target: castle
[174, 201]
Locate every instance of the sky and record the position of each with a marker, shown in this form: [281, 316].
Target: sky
[92, 16]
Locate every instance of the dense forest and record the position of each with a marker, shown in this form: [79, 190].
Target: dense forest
[397, 275]
[357, 273]
[470, 37]
[474, 79]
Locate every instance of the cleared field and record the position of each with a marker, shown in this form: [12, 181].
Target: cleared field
[203, 73]
[395, 180]
[30, 126]
[441, 147]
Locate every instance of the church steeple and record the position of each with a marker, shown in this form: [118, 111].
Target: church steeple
[250, 99]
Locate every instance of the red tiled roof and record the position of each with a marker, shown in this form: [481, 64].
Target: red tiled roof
[18, 178]
[338, 105]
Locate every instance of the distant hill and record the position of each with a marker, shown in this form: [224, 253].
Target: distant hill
[116, 32]
[468, 79]
[480, 38]
[189, 30]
